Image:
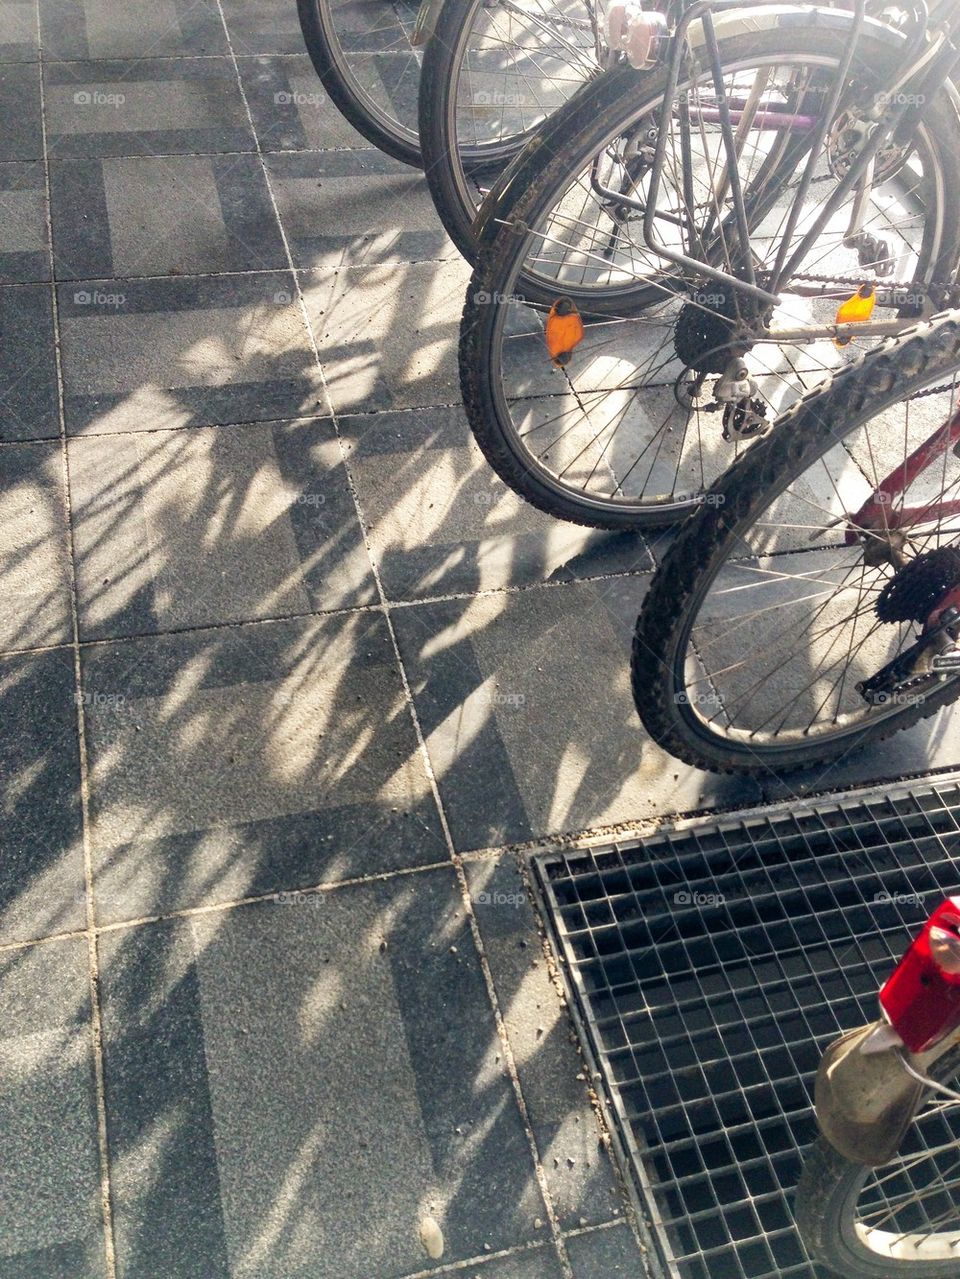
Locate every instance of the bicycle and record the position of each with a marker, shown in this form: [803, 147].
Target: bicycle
[877, 1198]
[812, 603]
[705, 216]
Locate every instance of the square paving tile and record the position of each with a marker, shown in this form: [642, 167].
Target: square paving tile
[174, 215]
[164, 105]
[23, 224]
[612, 1253]
[28, 371]
[269, 506]
[21, 137]
[140, 355]
[290, 107]
[441, 522]
[532, 689]
[324, 1074]
[263, 26]
[355, 207]
[580, 1176]
[34, 551]
[50, 1221]
[41, 846]
[249, 759]
[18, 31]
[136, 29]
[388, 334]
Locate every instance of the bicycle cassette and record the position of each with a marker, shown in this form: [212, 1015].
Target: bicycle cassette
[914, 592]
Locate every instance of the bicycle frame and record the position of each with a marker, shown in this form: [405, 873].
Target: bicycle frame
[930, 62]
[878, 511]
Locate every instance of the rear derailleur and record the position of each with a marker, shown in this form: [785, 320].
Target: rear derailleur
[734, 395]
[924, 590]
[744, 413]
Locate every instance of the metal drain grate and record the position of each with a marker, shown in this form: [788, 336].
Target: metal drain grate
[708, 967]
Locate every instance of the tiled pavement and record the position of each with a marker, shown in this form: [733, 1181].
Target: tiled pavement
[284, 670]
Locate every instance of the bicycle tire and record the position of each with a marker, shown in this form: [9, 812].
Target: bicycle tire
[815, 425]
[348, 95]
[826, 1197]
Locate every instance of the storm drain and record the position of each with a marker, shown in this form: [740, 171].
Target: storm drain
[708, 967]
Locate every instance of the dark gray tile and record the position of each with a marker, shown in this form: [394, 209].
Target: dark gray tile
[136, 29]
[28, 370]
[532, 690]
[579, 1174]
[343, 208]
[153, 106]
[21, 137]
[24, 241]
[145, 354]
[34, 550]
[173, 215]
[18, 31]
[608, 1253]
[441, 522]
[290, 107]
[269, 505]
[263, 26]
[50, 1219]
[324, 1073]
[250, 759]
[41, 845]
[167, 1216]
[388, 334]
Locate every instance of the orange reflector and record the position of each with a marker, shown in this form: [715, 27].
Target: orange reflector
[564, 331]
[856, 310]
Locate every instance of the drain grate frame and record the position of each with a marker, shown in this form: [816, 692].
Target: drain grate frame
[707, 967]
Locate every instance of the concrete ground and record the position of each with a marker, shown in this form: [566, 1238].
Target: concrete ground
[285, 672]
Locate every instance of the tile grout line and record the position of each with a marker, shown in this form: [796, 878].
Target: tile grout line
[349, 610]
[566, 842]
[213, 908]
[509, 1060]
[96, 1023]
[520, 1250]
[70, 280]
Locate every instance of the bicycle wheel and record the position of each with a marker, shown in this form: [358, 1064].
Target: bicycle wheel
[629, 431]
[491, 74]
[362, 53]
[899, 1221]
[782, 628]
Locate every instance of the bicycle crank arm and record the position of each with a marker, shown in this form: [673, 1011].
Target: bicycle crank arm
[865, 1099]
